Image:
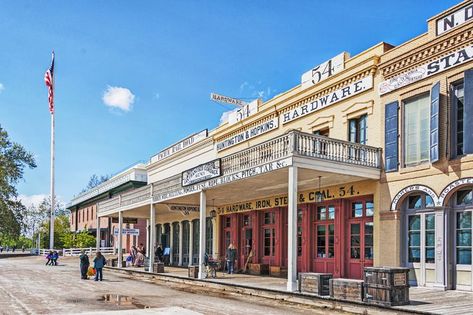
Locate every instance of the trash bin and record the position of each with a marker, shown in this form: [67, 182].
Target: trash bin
[387, 286]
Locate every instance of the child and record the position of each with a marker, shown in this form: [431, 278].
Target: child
[49, 257]
[129, 260]
[55, 258]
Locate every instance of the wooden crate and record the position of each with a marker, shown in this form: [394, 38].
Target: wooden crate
[318, 283]
[386, 296]
[346, 289]
[388, 286]
[193, 272]
[158, 267]
[277, 271]
[258, 269]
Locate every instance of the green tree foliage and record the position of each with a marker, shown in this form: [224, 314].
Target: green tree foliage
[13, 160]
[61, 228]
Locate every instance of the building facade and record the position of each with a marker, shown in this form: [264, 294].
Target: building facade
[367, 162]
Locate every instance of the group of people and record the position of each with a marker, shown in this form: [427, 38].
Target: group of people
[99, 263]
[136, 257]
[52, 258]
[13, 248]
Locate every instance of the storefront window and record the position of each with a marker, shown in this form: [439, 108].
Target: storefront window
[269, 237]
[321, 241]
[209, 236]
[228, 222]
[464, 197]
[414, 238]
[269, 218]
[299, 232]
[331, 241]
[369, 208]
[355, 240]
[463, 239]
[430, 238]
[247, 220]
[357, 209]
[369, 240]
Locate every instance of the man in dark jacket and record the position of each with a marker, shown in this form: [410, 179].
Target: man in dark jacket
[230, 257]
[84, 265]
[159, 253]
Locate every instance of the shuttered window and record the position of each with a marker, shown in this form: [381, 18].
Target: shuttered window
[391, 137]
[417, 130]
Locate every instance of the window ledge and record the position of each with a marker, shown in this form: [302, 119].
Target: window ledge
[416, 168]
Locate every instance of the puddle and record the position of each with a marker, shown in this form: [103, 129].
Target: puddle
[122, 301]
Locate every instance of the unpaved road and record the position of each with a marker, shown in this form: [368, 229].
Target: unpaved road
[27, 286]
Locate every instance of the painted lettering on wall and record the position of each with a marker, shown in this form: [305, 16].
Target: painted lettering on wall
[455, 19]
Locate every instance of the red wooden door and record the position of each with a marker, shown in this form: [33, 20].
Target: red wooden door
[359, 238]
[324, 228]
[246, 237]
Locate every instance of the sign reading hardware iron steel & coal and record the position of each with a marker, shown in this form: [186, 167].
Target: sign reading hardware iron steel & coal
[202, 172]
[252, 132]
[181, 145]
[455, 19]
[446, 62]
[329, 99]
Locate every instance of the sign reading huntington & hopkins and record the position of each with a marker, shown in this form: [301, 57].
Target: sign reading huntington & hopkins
[426, 70]
[201, 173]
[179, 146]
[329, 99]
[245, 135]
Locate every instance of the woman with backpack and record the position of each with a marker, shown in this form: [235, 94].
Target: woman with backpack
[99, 263]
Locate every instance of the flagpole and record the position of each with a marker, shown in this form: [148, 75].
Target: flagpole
[51, 235]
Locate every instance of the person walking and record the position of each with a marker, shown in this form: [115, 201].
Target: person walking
[159, 253]
[49, 257]
[134, 252]
[84, 264]
[230, 256]
[55, 258]
[99, 263]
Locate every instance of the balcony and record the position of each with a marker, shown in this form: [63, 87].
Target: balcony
[312, 151]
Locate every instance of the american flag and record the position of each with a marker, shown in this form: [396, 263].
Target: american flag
[48, 79]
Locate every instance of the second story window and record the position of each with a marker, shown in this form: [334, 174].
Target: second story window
[417, 130]
[322, 132]
[357, 128]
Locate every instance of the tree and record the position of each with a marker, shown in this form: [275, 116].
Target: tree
[61, 228]
[94, 181]
[13, 160]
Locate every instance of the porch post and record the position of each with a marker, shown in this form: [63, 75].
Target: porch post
[292, 230]
[120, 239]
[147, 236]
[203, 212]
[97, 235]
[191, 241]
[180, 243]
[152, 233]
[171, 242]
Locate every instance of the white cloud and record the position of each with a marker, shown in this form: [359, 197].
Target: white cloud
[2, 87]
[32, 199]
[157, 96]
[118, 97]
[224, 117]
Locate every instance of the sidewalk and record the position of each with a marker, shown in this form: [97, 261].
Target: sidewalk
[423, 300]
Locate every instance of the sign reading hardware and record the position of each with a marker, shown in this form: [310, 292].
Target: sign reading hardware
[248, 134]
[329, 99]
[227, 99]
[202, 172]
[243, 112]
[455, 19]
[127, 231]
[449, 61]
[323, 71]
[181, 145]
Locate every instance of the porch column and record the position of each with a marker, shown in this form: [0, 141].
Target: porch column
[120, 240]
[292, 230]
[180, 243]
[191, 241]
[97, 235]
[171, 239]
[203, 211]
[152, 233]
[147, 237]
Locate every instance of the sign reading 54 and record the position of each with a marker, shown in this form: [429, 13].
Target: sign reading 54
[323, 71]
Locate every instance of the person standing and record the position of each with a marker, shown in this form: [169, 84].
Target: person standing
[230, 257]
[84, 264]
[49, 257]
[134, 252]
[99, 263]
[159, 253]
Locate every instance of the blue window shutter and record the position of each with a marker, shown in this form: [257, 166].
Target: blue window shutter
[391, 156]
[434, 122]
[468, 113]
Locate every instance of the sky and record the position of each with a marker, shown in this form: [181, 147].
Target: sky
[134, 77]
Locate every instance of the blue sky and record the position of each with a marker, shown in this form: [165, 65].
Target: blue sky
[170, 55]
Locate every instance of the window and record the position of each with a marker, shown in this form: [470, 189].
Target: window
[413, 235]
[463, 238]
[357, 129]
[299, 232]
[247, 220]
[417, 130]
[457, 116]
[430, 238]
[325, 231]
[355, 240]
[228, 222]
[322, 132]
[421, 201]
[269, 218]
[269, 236]
[464, 197]
[369, 253]
[209, 236]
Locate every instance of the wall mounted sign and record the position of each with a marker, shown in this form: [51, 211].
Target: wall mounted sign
[411, 189]
[127, 231]
[184, 209]
[449, 61]
[452, 186]
[455, 19]
[201, 173]
[179, 146]
[323, 71]
[248, 134]
[329, 99]
[126, 220]
[243, 112]
[226, 99]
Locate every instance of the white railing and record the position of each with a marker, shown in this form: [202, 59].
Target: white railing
[45, 251]
[88, 251]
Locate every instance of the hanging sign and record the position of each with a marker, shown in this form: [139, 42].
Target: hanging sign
[127, 231]
[455, 19]
[329, 99]
[181, 145]
[243, 112]
[248, 134]
[323, 71]
[201, 173]
[449, 61]
[226, 99]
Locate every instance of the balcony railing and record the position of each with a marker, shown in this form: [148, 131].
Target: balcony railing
[294, 143]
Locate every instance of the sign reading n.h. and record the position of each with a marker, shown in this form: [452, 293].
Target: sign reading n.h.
[455, 19]
[329, 99]
[201, 173]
